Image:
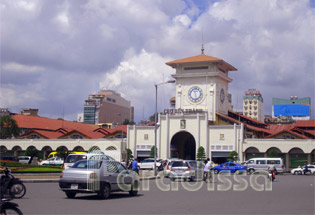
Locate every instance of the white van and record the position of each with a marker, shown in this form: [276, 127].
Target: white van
[24, 159]
[263, 164]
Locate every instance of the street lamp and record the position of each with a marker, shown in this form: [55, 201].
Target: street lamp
[122, 134]
[155, 119]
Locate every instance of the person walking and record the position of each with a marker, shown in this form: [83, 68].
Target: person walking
[134, 166]
[206, 170]
[305, 169]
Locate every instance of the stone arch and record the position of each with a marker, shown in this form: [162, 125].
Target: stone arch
[16, 151]
[3, 149]
[253, 152]
[62, 148]
[78, 149]
[279, 154]
[46, 150]
[111, 148]
[16, 148]
[313, 156]
[95, 150]
[31, 148]
[297, 157]
[183, 145]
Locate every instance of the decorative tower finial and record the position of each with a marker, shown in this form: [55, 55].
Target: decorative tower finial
[202, 49]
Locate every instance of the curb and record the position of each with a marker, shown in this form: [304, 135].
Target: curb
[57, 180]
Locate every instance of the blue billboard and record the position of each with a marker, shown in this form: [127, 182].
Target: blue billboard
[291, 110]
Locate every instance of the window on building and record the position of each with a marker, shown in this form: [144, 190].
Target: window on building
[146, 136]
[76, 136]
[33, 136]
[221, 136]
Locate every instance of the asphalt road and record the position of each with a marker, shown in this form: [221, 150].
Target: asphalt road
[289, 195]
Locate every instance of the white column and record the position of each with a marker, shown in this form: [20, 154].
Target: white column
[208, 148]
[235, 137]
[211, 104]
[134, 141]
[159, 138]
[128, 136]
[198, 132]
[168, 150]
[241, 143]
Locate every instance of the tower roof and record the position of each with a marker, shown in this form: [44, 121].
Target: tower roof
[202, 59]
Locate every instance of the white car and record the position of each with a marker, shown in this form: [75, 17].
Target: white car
[56, 161]
[300, 170]
[148, 164]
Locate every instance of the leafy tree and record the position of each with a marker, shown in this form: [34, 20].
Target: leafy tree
[233, 156]
[152, 152]
[128, 122]
[32, 152]
[62, 152]
[152, 118]
[273, 154]
[8, 128]
[201, 154]
[129, 156]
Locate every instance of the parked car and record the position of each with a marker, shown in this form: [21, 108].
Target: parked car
[97, 176]
[24, 159]
[183, 169]
[148, 164]
[300, 170]
[72, 158]
[264, 163]
[56, 161]
[167, 168]
[229, 167]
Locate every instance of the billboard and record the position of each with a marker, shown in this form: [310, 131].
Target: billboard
[291, 110]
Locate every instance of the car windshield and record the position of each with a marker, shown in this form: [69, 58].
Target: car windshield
[75, 158]
[100, 157]
[193, 164]
[179, 164]
[90, 164]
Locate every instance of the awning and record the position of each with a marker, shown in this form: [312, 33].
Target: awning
[143, 153]
[220, 154]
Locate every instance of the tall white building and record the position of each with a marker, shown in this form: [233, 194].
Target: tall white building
[253, 105]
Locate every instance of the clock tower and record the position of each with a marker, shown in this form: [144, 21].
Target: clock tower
[202, 84]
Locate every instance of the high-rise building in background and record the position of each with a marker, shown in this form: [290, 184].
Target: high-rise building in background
[107, 108]
[253, 105]
[298, 109]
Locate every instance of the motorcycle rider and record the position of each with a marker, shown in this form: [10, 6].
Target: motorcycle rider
[272, 170]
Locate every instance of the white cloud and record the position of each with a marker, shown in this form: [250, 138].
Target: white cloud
[135, 78]
[20, 68]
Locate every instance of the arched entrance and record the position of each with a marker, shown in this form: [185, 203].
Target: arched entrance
[297, 157]
[183, 146]
[253, 152]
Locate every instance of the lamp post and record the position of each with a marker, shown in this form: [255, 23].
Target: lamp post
[155, 119]
[122, 134]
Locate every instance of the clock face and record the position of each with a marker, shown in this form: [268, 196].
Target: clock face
[222, 95]
[195, 94]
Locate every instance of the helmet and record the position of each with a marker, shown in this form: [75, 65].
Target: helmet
[271, 162]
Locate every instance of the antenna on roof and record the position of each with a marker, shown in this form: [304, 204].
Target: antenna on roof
[202, 49]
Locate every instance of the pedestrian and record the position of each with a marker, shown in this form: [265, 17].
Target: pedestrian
[206, 170]
[134, 166]
[305, 169]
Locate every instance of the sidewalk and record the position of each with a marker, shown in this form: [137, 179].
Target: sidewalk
[54, 177]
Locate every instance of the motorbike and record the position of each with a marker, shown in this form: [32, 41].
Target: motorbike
[272, 175]
[7, 207]
[11, 186]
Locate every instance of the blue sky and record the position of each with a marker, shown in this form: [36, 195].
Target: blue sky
[55, 53]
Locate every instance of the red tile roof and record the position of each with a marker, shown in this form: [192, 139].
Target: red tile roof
[30, 122]
[289, 131]
[305, 123]
[202, 59]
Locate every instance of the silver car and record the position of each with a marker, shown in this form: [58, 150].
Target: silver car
[98, 176]
[183, 170]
